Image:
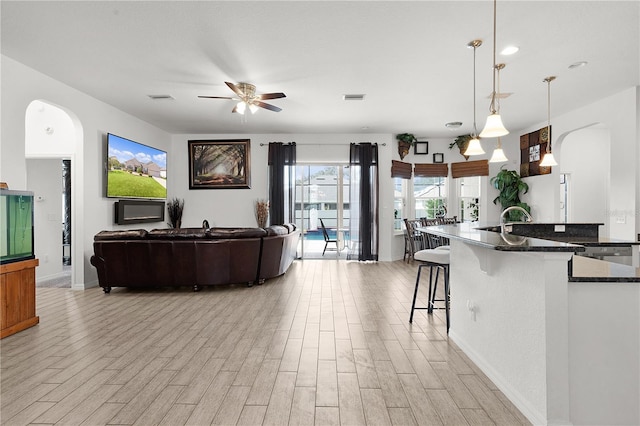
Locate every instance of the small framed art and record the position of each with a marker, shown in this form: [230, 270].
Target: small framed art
[421, 148]
[438, 157]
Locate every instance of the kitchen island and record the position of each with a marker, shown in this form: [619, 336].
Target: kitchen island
[563, 352]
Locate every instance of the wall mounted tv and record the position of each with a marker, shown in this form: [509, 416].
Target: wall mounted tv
[135, 170]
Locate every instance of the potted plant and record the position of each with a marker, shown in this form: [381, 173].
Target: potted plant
[405, 141]
[462, 142]
[510, 185]
[174, 208]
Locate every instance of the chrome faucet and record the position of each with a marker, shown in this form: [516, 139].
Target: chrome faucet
[505, 212]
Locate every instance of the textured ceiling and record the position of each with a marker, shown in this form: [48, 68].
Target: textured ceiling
[409, 58]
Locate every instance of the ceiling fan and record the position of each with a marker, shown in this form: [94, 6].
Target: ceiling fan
[247, 98]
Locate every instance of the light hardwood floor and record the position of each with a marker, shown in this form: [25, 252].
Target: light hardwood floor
[327, 343]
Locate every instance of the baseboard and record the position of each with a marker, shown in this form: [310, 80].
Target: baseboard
[521, 403]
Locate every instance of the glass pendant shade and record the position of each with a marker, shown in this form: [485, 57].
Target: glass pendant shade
[253, 108]
[474, 147]
[548, 160]
[498, 156]
[494, 127]
[241, 107]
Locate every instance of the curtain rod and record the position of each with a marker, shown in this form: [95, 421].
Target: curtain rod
[323, 144]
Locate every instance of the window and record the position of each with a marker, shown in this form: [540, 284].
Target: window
[399, 202]
[430, 195]
[468, 198]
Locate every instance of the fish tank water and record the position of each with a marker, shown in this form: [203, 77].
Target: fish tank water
[16, 226]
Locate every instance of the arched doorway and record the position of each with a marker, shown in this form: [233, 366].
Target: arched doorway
[586, 167]
[51, 141]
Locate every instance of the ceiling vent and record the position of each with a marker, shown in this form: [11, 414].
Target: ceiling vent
[353, 97]
[160, 97]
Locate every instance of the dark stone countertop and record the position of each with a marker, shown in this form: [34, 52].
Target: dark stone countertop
[471, 234]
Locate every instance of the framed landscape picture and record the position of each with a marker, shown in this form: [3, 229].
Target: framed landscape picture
[219, 164]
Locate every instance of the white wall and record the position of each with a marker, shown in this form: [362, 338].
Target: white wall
[92, 212]
[620, 114]
[92, 119]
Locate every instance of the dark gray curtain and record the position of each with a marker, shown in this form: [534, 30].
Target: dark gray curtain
[282, 165]
[363, 209]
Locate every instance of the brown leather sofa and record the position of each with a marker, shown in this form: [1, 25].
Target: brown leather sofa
[193, 256]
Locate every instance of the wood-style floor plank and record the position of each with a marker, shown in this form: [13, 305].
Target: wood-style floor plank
[328, 343]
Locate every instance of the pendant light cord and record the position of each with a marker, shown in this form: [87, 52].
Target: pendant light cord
[548, 80]
[492, 106]
[475, 129]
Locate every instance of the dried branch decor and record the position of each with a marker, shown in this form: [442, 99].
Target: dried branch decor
[262, 212]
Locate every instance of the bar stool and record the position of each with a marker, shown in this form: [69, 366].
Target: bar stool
[438, 259]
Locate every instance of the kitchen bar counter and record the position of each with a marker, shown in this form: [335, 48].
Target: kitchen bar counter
[563, 349]
[581, 269]
[471, 234]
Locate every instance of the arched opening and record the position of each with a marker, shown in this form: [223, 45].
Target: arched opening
[51, 139]
[585, 176]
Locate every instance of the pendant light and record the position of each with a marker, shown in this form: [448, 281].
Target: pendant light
[474, 147]
[498, 154]
[548, 160]
[494, 127]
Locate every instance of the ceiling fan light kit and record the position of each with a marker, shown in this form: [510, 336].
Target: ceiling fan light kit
[247, 97]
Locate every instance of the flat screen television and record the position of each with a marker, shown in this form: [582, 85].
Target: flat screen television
[135, 170]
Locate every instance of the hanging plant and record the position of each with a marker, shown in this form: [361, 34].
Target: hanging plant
[510, 185]
[462, 142]
[405, 141]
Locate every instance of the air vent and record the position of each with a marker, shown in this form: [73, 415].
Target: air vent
[160, 97]
[353, 97]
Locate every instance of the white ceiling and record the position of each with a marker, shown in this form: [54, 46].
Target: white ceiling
[408, 57]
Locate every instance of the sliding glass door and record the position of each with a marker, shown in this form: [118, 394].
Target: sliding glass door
[322, 198]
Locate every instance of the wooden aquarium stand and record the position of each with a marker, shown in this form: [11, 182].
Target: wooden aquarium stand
[18, 296]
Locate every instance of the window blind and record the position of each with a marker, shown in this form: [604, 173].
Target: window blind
[400, 169]
[470, 168]
[431, 170]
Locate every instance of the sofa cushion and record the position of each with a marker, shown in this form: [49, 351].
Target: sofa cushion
[228, 233]
[277, 230]
[130, 234]
[290, 226]
[177, 234]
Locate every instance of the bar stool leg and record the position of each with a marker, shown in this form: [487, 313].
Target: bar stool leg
[432, 294]
[446, 294]
[415, 292]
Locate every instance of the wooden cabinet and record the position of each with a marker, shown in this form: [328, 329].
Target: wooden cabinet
[18, 296]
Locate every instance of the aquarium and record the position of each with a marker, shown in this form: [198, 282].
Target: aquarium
[16, 226]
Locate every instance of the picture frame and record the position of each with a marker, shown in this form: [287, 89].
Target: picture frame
[219, 164]
[438, 157]
[421, 148]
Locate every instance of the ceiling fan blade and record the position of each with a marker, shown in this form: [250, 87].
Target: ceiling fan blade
[215, 97]
[235, 89]
[267, 106]
[265, 96]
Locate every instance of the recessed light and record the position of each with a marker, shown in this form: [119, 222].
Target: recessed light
[509, 50]
[453, 125]
[578, 64]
